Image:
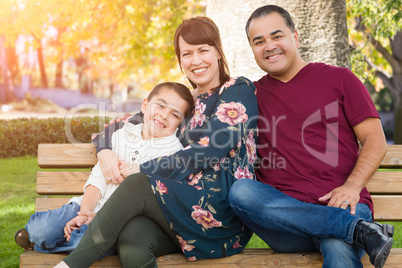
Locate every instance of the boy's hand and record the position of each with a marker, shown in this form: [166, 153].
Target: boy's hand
[77, 222]
[127, 169]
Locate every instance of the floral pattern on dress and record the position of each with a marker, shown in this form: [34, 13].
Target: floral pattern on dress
[251, 147]
[232, 113]
[198, 117]
[243, 173]
[185, 246]
[204, 141]
[204, 218]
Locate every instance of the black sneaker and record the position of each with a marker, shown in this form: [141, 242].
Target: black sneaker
[376, 239]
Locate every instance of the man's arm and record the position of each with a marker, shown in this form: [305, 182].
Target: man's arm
[374, 146]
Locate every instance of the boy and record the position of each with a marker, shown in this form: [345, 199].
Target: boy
[60, 230]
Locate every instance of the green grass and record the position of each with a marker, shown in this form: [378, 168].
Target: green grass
[17, 204]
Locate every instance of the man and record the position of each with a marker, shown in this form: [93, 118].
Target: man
[311, 191]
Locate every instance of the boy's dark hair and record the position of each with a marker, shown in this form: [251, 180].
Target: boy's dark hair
[265, 11]
[180, 89]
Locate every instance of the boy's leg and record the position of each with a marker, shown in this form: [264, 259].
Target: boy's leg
[141, 241]
[46, 228]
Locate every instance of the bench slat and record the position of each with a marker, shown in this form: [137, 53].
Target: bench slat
[249, 258]
[84, 155]
[393, 158]
[72, 182]
[61, 182]
[66, 155]
[386, 207]
[386, 182]
[43, 204]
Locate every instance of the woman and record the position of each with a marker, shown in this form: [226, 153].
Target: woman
[180, 202]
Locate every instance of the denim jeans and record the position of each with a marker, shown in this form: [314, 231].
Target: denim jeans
[289, 225]
[46, 229]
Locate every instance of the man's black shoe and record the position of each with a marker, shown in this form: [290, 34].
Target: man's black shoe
[376, 239]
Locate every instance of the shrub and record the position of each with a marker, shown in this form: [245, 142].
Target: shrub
[21, 136]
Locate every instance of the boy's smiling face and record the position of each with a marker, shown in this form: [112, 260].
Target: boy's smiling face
[163, 114]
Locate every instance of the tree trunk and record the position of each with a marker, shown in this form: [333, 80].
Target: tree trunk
[398, 119]
[396, 80]
[13, 65]
[7, 93]
[59, 74]
[43, 77]
[321, 25]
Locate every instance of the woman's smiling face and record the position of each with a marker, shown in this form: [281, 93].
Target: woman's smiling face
[200, 64]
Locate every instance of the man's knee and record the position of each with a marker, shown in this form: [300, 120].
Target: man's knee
[240, 193]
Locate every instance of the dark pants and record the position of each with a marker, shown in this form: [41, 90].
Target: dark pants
[131, 219]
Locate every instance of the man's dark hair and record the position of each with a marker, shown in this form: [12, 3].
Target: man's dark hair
[265, 11]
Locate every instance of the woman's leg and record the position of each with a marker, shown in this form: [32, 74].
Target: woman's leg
[141, 241]
[134, 197]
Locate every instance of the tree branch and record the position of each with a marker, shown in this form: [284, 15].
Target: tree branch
[384, 76]
[388, 56]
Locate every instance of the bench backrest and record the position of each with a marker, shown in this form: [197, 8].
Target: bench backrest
[385, 187]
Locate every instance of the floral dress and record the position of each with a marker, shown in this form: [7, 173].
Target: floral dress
[192, 185]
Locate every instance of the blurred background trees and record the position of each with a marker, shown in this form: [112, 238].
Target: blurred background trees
[375, 33]
[92, 45]
[101, 47]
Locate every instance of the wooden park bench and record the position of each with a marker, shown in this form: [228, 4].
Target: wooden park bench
[385, 188]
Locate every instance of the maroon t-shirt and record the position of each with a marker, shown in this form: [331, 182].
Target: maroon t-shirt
[306, 142]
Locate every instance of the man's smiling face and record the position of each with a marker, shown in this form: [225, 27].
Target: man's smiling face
[274, 46]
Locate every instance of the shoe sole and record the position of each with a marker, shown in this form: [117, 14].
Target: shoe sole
[382, 256]
[19, 242]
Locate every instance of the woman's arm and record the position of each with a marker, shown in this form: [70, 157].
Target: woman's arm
[235, 114]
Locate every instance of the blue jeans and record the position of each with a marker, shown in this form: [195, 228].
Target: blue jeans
[46, 229]
[289, 225]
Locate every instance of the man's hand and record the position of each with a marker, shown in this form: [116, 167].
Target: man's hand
[109, 164]
[127, 169]
[343, 197]
[77, 222]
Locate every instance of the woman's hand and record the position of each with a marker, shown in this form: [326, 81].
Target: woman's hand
[117, 119]
[127, 169]
[109, 164]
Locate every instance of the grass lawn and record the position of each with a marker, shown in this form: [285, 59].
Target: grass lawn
[17, 203]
